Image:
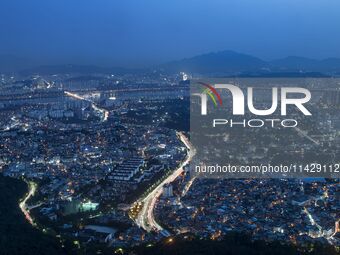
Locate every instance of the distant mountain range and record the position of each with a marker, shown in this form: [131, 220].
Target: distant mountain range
[223, 63]
[219, 62]
[306, 64]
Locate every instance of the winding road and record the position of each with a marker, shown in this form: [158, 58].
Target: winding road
[32, 187]
[145, 218]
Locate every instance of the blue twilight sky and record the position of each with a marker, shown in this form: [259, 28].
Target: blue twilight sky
[139, 32]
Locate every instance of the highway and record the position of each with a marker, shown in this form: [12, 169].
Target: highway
[145, 218]
[32, 187]
[305, 134]
[104, 113]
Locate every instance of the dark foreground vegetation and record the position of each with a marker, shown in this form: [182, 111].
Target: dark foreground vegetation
[17, 236]
[233, 244]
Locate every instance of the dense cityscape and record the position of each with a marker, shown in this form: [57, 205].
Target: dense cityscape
[105, 158]
[170, 127]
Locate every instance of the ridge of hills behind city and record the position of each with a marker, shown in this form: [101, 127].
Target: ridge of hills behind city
[220, 63]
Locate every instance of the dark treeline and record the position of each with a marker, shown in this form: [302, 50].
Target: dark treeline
[17, 236]
[232, 244]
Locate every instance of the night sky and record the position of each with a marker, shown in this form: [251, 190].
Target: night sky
[142, 32]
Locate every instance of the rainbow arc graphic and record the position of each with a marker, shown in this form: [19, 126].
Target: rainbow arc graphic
[212, 93]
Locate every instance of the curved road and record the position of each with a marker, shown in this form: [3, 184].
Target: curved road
[32, 187]
[145, 218]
